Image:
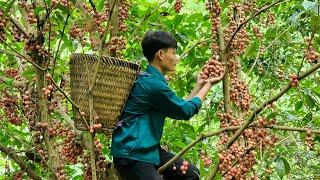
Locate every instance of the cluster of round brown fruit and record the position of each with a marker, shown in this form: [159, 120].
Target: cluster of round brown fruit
[30, 12]
[3, 22]
[244, 158]
[271, 18]
[228, 120]
[36, 48]
[178, 5]
[12, 72]
[26, 99]
[184, 167]
[76, 31]
[213, 68]
[61, 174]
[309, 139]
[294, 80]
[123, 14]
[310, 52]
[9, 104]
[95, 127]
[47, 90]
[116, 45]
[239, 93]
[257, 32]
[17, 35]
[240, 40]
[214, 11]
[70, 149]
[205, 158]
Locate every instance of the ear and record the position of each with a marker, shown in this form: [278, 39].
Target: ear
[160, 54]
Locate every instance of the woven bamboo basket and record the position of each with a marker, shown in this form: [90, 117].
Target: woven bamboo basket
[111, 89]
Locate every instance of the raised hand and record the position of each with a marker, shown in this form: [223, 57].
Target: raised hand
[214, 80]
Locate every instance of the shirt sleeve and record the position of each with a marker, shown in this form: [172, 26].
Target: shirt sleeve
[163, 99]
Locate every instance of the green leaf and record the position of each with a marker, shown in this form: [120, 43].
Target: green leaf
[100, 5]
[179, 144]
[315, 20]
[194, 17]
[252, 50]
[280, 168]
[9, 82]
[2, 86]
[309, 99]
[308, 4]
[177, 19]
[63, 9]
[201, 127]
[294, 18]
[37, 10]
[298, 105]
[307, 117]
[8, 6]
[318, 94]
[78, 177]
[188, 129]
[272, 115]
[286, 165]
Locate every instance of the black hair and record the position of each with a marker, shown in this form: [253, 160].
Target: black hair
[156, 40]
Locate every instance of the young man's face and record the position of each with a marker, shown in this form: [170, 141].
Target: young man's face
[169, 60]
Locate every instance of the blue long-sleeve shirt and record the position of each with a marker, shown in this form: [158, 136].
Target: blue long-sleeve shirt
[149, 103]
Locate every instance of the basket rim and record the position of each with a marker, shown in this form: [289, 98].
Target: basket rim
[73, 55]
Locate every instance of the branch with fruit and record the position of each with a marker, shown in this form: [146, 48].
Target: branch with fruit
[294, 81]
[232, 128]
[242, 24]
[23, 165]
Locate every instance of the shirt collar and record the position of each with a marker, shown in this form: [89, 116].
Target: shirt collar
[154, 71]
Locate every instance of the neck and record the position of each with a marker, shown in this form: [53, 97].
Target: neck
[157, 66]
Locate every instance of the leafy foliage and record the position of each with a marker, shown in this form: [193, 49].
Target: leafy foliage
[266, 65]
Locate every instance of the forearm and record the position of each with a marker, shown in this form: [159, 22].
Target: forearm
[204, 91]
[194, 91]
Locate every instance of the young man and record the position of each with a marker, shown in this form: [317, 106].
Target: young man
[136, 143]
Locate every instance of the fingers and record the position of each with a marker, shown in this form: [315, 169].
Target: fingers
[215, 80]
[203, 67]
[203, 75]
[221, 76]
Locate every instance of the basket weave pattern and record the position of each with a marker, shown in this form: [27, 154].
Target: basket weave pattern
[111, 89]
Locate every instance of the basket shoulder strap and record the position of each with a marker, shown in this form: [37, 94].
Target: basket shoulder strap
[120, 122]
[144, 74]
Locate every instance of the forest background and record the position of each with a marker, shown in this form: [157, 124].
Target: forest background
[261, 122]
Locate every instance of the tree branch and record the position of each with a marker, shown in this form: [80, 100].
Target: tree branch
[20, 55]
[257, 111]
[59, 44]
[101, 48]
[187, 51]
[225, 81]
[146, 16]
[247, 20]
[14, 22]
[92, 5]
[286, 128]
[13, 155]
[66, 117]
[70, 100]
[260, 52]
[230, 128]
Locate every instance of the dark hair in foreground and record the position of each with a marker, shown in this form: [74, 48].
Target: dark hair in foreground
[156, 40]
